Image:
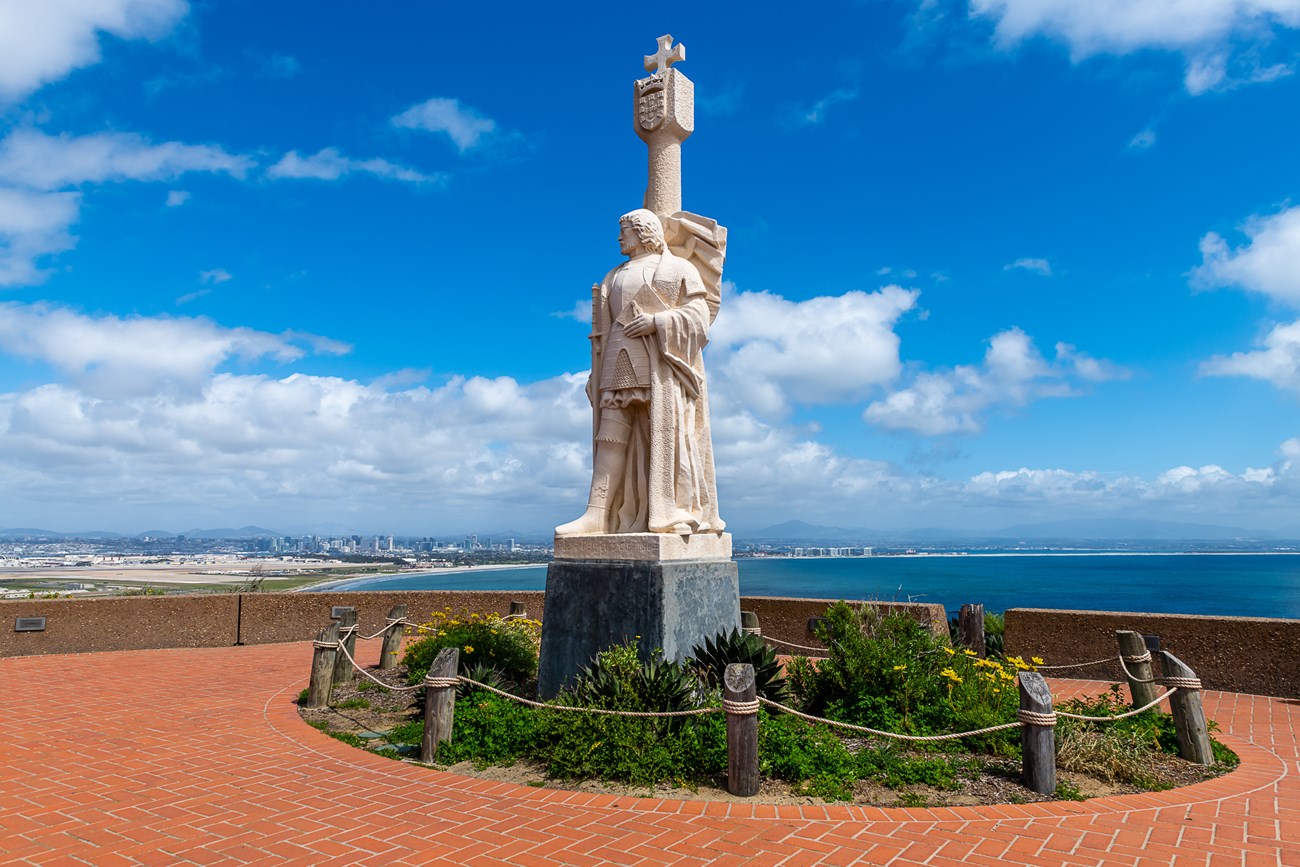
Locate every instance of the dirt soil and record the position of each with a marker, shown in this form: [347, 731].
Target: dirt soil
[995, 782]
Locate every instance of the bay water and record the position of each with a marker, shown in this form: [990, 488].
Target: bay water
[1247, 585]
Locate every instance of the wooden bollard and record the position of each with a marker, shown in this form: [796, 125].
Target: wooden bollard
[439, 702]
[749, 624]
[343, 672]
[1137, 663]
[1038, 735]
[393, 637]
[740, 699]
[970, 627]
[323, 655]
[1185, 705]
[517, 609]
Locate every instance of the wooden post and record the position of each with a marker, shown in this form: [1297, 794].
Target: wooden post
[970, 627]
[1185, 705]
[517, 609]
[742, 729]
[749, 623]
[393, 637]
[342, 668]
[322, 666]
[1037, 738]
[1137, 662]
[439, 702]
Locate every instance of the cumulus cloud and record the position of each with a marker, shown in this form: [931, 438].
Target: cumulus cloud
[30, 158]
[1012, 374]
[33, 225]
[1276, 361]
[1268, 263]
[176, 198]
[465, 126]
[147, 414]
[1041, 267]
[108, 356]
[1208, 33]
[43, 41]
[772, 352]
[329, 164]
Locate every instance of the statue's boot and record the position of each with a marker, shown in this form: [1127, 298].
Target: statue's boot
[608, 464]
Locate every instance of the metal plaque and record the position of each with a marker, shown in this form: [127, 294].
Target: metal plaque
[1151, 641]
[813, 623]
[29, 624]
[337, 611]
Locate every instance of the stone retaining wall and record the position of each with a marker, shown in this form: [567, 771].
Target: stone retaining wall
[1240, 654]
[221, 620]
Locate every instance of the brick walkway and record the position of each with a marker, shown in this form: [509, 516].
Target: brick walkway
[198, 757]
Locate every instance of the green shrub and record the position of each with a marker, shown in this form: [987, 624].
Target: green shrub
[891, 673]
[508, 645]
[710, 661]
[490, 730]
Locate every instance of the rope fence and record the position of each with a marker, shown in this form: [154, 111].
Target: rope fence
[1036, 715]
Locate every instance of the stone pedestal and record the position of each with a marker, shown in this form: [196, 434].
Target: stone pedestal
[671, 604]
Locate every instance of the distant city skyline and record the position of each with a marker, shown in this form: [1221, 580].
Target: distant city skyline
[991, 262]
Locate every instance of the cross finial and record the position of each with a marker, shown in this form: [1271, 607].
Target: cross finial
[666, 56]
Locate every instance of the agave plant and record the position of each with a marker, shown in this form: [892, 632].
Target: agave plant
[617, 679]
[713, 656]
[483, 673]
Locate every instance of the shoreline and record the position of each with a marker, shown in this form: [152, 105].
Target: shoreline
[335, 583]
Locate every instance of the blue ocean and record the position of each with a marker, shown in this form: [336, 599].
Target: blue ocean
[1248, 585]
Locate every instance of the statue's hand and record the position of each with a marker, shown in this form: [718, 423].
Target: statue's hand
[641, 325]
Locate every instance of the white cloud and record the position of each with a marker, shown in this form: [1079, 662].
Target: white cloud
[330, 165]
[108, 356]
[1268, 263]
[772, 352]
[1277, 361]
[142, 414]
[815, 114]
[30, 158]
[216, 275]
[1206, 32]
[192, 296]
[43, 40]
[33, 225]
[176, 198]
[463, 125]
[1013, 374]
[36, 170]
[1037, 266]
[1144, 140]
[581, 312]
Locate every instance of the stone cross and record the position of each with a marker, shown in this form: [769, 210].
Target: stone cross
[664, 112]
[665, 56]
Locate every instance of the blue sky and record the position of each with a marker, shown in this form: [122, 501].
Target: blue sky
[323, 265]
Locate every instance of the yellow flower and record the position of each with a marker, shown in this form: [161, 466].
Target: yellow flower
[948, 650]
[469, 648]
[969, 652]
[1036, 660]
[902, 667]
[951, 675]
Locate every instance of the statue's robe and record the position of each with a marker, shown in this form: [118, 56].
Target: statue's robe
[668, 478]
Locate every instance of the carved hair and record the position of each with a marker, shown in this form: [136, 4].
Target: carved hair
[648, 229]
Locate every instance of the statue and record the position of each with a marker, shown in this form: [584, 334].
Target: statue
[648, 561]
[652, 452]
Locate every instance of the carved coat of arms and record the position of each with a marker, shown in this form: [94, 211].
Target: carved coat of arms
[651, 106]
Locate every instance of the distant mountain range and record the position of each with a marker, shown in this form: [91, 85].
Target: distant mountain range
[1084, 529]
[804, 533]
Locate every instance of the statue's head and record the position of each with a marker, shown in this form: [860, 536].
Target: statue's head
[649, 232]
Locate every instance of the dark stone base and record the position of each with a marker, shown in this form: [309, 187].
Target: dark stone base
[592, 605]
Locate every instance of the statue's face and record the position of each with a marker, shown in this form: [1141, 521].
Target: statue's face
[628, 242]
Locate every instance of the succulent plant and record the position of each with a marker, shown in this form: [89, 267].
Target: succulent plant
[713, 656]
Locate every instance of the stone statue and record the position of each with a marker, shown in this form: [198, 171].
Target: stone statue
[652, 452]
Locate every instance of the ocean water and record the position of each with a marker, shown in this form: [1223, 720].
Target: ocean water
[1248, 585]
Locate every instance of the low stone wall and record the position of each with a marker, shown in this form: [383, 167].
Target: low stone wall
[1240, 654]
[220, 620]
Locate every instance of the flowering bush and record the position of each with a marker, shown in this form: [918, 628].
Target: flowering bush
[507, 644]
[890, 672]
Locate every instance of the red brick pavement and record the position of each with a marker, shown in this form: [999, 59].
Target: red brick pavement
[197, 756]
